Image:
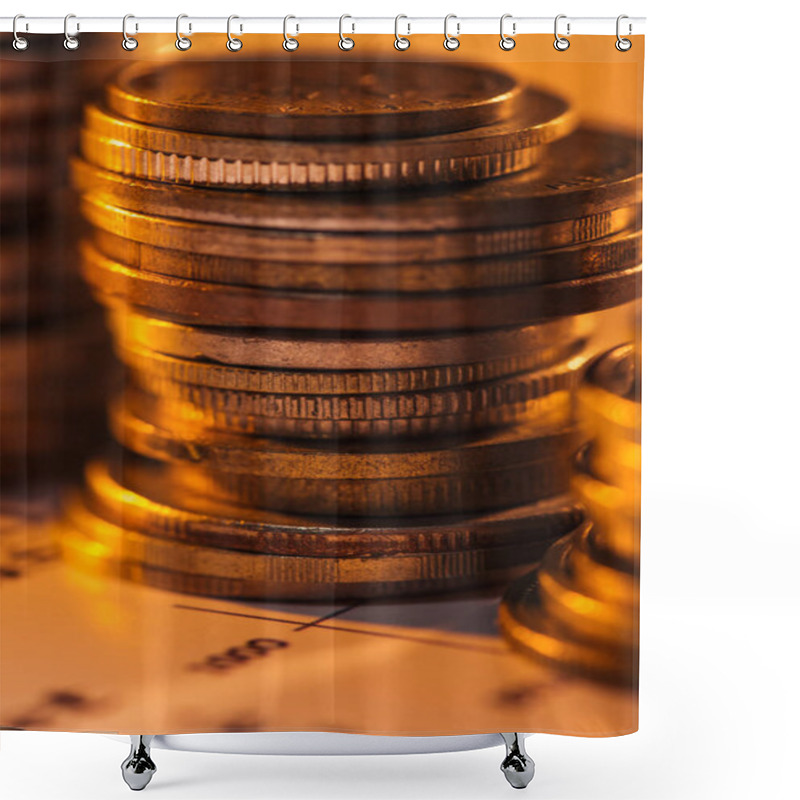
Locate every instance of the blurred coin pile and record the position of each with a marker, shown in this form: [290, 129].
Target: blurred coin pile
[348, 298]
[580, 610]
[51, 332]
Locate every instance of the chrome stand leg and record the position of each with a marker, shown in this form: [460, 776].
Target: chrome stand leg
[517, 766]
[138, 768]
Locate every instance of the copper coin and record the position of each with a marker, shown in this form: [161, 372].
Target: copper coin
[545, 398]
[606, 254]
[587, 173]
[313, 99]
[268, 473]
[304, 351]
[465, 492]
[149, 433]
[208, 304]
[342, 249]
[136, 495]
[154, 153]
[283, 578]
[159, 373]
[126, 544]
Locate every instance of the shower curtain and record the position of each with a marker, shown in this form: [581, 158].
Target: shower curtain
[320, 395]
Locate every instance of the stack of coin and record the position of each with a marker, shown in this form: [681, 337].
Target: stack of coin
[51, 332]
[580, 610]
[348, 301]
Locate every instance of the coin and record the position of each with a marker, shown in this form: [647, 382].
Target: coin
[550, 409]
[145, 502]
[588, 172]
[610, 399]
[159, 373]
[617, 251]
[619, 463]
[209, 304]
[543, 396]
[614, 511]
[268, 576]
[580, 610]
[313, 99]
[196, 159]
[154, 434]
[599, 573]
[495, 471]
[345, 249]
[90, 556]
[325, 351]
[527, 629]
[464, 492]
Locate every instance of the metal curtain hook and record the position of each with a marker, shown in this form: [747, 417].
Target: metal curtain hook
[20, 42]
[70, 42]
[400, 42]
[290, 44]
[451, 42]
[623, 45]
[560, 43]
[506, 42]
[128, 42]
[233, 44]
[182, 42]
[345, 42]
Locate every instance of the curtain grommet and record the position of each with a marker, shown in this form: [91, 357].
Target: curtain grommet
[507, 42]
[622, 44]
[233, 44]
[183, 43]
[561, 43]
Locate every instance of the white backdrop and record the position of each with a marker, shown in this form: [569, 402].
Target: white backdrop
[721, 538]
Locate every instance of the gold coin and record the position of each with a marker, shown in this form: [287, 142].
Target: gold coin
[618, 463]
[589, 616]
[528, 630]
[614, 512]
[606, 578]
[609, 400]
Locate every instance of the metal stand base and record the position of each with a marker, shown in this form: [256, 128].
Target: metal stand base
[517, 766]
[139, 768]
